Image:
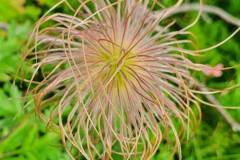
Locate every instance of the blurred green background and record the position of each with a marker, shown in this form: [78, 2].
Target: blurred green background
[24, 137]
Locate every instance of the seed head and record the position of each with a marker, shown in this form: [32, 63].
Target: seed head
[119, 82]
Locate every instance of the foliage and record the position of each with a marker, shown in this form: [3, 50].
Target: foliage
[11, 44]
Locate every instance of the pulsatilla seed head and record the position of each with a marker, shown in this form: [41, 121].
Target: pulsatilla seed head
[117, 81]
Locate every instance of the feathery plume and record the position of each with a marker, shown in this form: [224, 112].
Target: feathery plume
[119, 81]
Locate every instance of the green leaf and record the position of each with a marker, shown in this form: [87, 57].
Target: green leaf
[10, 9]
[11, 48]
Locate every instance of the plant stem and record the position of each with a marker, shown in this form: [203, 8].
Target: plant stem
[228, 118]
[204, 8]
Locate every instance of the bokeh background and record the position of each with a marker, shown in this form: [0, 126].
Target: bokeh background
[24, 137]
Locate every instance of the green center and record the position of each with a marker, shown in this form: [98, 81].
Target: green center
[118, 64]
